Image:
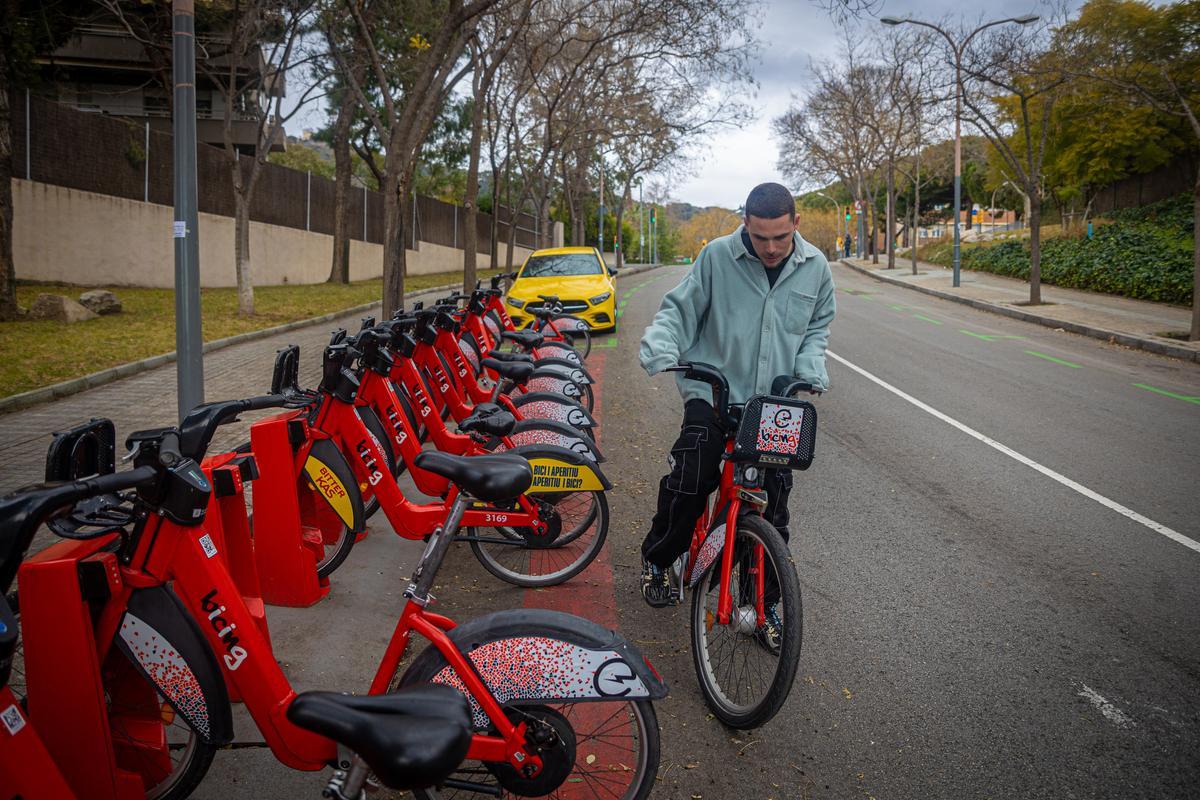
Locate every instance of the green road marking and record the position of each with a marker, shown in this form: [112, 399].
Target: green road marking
[609, 341]
[1185, 398]
[895, 307]
[1036, 354]
[927, 319]
[990, 337]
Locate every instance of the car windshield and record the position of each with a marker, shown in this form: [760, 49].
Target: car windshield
[566, 264]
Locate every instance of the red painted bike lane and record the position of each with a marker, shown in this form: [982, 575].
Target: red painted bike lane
[590, 594]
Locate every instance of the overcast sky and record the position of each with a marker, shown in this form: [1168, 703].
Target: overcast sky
[794, 33]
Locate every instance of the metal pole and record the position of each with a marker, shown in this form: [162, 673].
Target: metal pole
[146, 156]
[28, 160]
[364, 213]
[641, 225]
[308, 203]
[189, 345]
[957, 160]
[600, 235]
[456, 226]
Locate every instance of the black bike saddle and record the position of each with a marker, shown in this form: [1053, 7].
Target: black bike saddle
[515, 371]
[490, 478]
[488, 418]
[411, 739]
[525, 338]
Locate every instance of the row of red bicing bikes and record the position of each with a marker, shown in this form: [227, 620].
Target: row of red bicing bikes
[123, 644]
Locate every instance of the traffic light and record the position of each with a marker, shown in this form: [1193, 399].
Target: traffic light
[847, 213]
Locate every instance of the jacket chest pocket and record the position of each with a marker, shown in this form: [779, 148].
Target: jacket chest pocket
[798, 311]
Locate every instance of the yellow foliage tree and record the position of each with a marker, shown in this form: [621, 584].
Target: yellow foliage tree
[704, 227]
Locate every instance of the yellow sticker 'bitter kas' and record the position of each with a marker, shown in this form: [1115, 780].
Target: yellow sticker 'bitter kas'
[331, 489]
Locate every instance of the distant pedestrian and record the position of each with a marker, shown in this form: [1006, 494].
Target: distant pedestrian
[849, 243]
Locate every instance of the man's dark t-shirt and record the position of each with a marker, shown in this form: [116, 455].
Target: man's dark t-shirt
[772, 273]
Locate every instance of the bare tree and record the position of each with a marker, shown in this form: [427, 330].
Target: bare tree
[1013, 81]
[413, 73]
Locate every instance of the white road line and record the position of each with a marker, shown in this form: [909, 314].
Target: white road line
[1110, 712]
[1029, 462]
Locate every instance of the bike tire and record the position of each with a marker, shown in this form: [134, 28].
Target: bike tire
[751, 529]
[642, 718]
[522, 565]
[196, 756]
[581, 340]
[315, 513]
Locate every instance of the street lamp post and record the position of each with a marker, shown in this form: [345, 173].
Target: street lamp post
[958, 50]
[837, 208]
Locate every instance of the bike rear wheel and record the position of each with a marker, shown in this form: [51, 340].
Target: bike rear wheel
[583, 518]
[616, 754]
[743, 682]
[581, 340]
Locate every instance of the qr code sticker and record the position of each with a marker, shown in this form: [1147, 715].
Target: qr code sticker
[206, 542]
[779, 428]
[12, 719]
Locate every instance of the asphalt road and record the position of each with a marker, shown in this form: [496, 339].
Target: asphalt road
[974, 626]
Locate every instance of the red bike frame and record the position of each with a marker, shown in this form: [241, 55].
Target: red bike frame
[728, 502]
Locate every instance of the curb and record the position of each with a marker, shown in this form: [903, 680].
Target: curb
[57, 391]
[1158, 346]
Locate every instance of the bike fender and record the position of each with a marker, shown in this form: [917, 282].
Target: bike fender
[556, 350]
[544, 405]
[564, 367]
[557, 469]
[555, 383]
[570, 322]
[469, 352]
[164, 642]
[536, 656]
[328, 470]
[710, 551]
[544, 431]
[375, 425]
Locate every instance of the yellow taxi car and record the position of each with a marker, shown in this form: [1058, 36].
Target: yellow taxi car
[577, 276]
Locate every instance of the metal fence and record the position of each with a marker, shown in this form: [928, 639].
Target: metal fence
[57, 144]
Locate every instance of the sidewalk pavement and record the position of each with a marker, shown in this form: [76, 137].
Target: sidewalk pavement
[1121, 320]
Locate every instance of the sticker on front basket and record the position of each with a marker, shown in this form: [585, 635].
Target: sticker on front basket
[206, 542]
[13, 720]
[779, 428]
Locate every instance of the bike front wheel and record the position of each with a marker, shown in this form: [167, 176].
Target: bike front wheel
[744, 680]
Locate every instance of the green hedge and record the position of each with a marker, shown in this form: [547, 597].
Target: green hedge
[1144, 253]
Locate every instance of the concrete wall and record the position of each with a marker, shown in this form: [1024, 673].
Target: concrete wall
[72, 236]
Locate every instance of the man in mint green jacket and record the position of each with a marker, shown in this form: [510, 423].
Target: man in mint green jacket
[757, 304]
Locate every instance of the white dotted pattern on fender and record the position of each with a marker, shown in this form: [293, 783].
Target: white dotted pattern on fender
[541, 668]
[168, 670]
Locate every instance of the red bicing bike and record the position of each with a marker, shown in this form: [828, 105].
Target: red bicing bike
[737, 581]
[134, 627]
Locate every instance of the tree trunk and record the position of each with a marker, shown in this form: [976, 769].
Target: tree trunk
[1035, 247]
[339, 271]
[241, 246]
[1195, 333]
[470, 200]
[619, 235]
[393, 244]
[889, 233]
[8, 272]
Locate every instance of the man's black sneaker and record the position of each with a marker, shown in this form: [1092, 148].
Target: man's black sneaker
[656, 585]
[770, 633]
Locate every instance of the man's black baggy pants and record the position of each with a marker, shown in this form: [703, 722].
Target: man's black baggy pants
[695, 474]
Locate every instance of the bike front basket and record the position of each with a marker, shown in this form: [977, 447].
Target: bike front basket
[777, 432]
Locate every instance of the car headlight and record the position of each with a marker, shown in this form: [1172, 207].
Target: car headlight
[515, 303]
[600, 298]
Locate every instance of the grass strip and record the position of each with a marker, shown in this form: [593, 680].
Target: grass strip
[34, 354]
